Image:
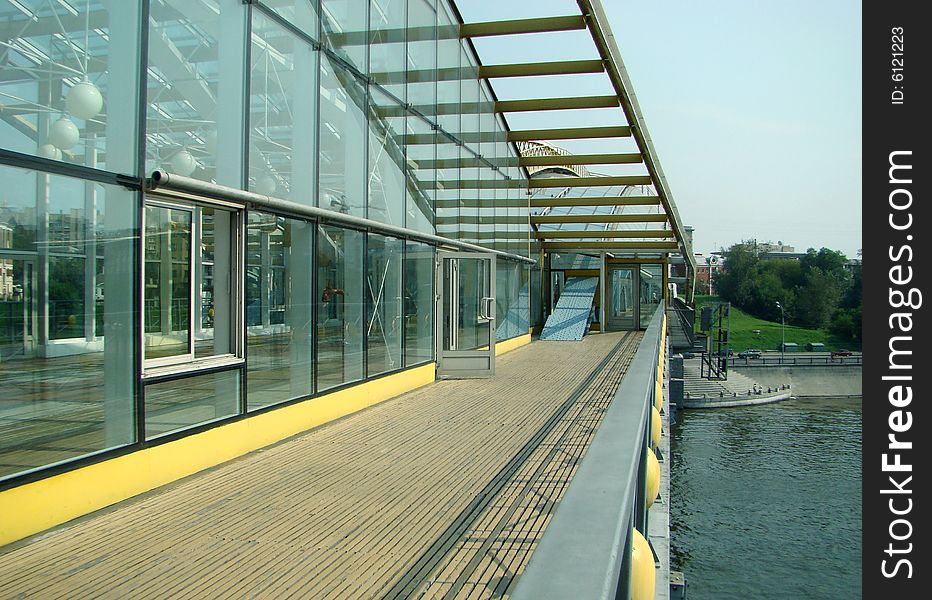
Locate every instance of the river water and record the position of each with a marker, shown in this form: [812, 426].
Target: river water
[766, 500]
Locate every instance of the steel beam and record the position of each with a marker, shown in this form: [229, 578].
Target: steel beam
[557, 103]
[574, 182]
[607, 233]
[622, 218]
[538, 69]
[604, 201]
[604, 39]
[571, 133]
[580, 159]
[518, 26]
[629, 246]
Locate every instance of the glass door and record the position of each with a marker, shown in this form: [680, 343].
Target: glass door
[466, 282]
[622, 299]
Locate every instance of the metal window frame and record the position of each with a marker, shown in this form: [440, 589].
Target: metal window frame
[178, 366]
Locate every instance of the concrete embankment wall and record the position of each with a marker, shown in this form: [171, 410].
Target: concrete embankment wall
[810, 381]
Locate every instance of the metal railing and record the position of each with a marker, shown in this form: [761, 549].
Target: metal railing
[685, 319]
[786, 361]
[585, 550]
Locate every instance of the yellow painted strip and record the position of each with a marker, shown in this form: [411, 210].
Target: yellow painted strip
[513, 343]
[37, 506]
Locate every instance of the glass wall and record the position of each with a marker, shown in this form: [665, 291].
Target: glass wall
[182, 403]
[342, 140]
[384, 327]
[651, 292]
[386, 180]
[340, 320]
[276, 307]
[418, 303]
[67, 318]
[279, 309]
[69, 81]
[282, 112]
[343, 25]
[196, 55]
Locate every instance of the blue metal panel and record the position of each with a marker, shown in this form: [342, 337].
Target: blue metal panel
[571, 317]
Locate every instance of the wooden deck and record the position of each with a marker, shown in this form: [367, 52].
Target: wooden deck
[441, 492]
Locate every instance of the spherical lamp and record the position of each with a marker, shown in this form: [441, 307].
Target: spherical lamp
[64, 134]
[182, 163]
[655, 428]
[643, 570]
[84, 100]
[266, 185]
[658, 395]
[653, 478]
[49, 151]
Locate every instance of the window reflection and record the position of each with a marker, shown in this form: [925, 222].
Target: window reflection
[279, 301]
[418, 302]
[67, 288]
[342, 141]
[383, 285]
[340, 321]
[283, 97]
[67, 73]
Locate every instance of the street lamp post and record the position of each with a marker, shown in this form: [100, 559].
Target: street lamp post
[782, 331]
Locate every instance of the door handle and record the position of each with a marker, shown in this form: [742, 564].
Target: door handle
[488, 304]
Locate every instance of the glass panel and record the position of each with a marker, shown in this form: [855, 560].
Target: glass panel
[69, 73]
[215, 247]
[467, 282]
[279, 301]
[343, 25]
[386, 160]
[182, 403]
[300, 13]
[283, 98]
[387, 45]
[422, 55]
[383, 286]
[196, 55]
[448, 117]
[67, 389]
[651, 277]
[421, 158]
[502, 300]
[340, 322]
[621, 304]
[419, 303]
[342, 140]
[167, 282]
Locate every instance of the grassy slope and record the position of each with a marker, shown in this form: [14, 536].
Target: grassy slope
[743, 325]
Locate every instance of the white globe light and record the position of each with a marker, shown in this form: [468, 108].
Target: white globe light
[84, 100]
[266, 185]
[49, 151]
[64, 134]
[183, 163]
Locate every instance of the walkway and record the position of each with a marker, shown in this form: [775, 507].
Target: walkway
[442, 492]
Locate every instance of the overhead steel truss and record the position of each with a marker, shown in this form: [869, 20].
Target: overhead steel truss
[592, 18]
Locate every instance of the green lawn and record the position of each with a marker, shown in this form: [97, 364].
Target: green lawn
[743, 326]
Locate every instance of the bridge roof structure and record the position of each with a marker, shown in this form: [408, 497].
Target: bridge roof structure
[642, 202]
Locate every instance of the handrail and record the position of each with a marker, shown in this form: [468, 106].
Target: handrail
[584, 550]
[796, 361]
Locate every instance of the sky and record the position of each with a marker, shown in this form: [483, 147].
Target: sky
[754, 107]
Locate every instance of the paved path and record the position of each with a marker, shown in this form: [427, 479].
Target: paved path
[441, 492]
